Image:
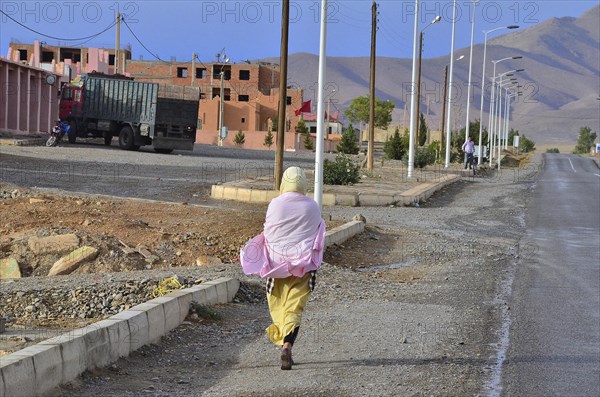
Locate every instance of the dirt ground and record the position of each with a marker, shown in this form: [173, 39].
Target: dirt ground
[177, 234]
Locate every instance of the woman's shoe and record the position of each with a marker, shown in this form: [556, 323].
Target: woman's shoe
[286, 359]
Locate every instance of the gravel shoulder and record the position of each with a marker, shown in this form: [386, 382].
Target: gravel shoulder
[412, 307]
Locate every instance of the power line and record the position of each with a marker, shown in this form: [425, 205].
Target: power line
[58, 38]
[146, 48]
[139, 41]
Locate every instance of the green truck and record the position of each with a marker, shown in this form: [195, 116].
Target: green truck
[138, 113]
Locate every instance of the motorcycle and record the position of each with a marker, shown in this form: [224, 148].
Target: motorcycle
[57, 132]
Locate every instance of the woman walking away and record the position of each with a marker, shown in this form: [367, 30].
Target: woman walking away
[287, 253]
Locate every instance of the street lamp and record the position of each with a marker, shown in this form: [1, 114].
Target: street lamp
[467, 124]
[444, 97]
[493, 104]
[513, 80]
[413, 103]
[449, 120]
[485, 33]
[514, 94]
[436, 20]
[501, 115]
[222, 134]
[501, 85]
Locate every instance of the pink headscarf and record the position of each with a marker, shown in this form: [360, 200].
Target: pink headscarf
[293, 240]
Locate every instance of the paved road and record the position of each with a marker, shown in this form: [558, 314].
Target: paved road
[96, 169]
[554, 342]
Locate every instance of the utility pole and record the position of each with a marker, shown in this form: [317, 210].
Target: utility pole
[419, 89]
[221, 100]
[328, 114]
[444, 96]
[283, 56]
[372, 88]
[429, 123]
[193, 68]
[117, 42]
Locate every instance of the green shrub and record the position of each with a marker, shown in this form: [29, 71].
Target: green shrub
[526, 144]
[436, 148]
[342, 171]
[348, 144]
[552, 150]
[423, 156]
[308, 142]
[239, 138]
[268, 139]
[586, 139]
[395, 147]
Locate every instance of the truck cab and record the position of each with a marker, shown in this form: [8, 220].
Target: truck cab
[71, 102]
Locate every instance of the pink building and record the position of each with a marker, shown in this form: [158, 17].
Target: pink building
[28, 98]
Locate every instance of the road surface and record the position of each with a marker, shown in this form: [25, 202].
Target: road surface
[554, 340]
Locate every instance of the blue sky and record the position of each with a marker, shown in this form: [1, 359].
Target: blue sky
[251, 29]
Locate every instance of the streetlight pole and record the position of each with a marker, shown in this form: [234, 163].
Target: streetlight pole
[221, 99]
[498, 120]
[515, 94]
[318, 191]
[467, 123]
[444, 104]
[485, 33]
[413, 102]
[493, 105]
[449, 120]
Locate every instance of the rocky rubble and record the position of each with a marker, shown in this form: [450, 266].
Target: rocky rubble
[11, 193]
[85, 302]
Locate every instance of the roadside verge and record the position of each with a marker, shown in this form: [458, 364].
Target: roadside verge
[36, 370]
[372, 197]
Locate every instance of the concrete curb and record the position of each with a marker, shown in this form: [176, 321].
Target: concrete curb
[37, 369]
[416, 194]
[23, 142]
[342, 233]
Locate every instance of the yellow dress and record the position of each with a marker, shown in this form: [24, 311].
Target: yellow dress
[286, 303]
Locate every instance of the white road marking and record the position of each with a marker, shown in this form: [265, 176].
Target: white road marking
[572, 165]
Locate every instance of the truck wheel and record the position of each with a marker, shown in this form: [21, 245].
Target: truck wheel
[163, 151]
[72, 135]
[126, 139]
[107, 138]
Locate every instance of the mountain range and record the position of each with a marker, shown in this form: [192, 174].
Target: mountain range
[560, 83]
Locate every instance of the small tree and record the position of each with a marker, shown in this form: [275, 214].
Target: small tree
[348, 143]
[268, 139]
[308, 145]
[585, 141]
[395, 147]
[526, 145]
[423, 130]
[511, 136]
[359, 111]
[239, 138]
[301, 127]
[435, 147]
